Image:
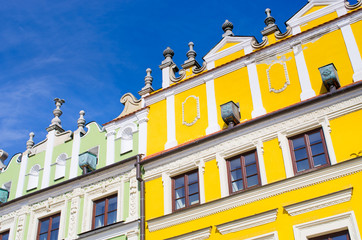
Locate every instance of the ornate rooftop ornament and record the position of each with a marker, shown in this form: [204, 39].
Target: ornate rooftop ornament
[148, 83]
[191, 61]
[30, 142]
[81, 120]
[227, 27]
[269, 21]
[131, 104]
[3, 155]
[56, 123]
[278, 35]
[168, 54]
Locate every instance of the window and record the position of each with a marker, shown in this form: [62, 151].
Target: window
[334, 236]
[104, 211]
[4, 235]
[185, 190]
[243, 171]
[48, 228]
[308, 151]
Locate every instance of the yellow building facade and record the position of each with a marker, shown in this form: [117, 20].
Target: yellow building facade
[263, 140]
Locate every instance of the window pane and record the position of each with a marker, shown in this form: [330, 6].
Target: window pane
[55, 222]
[252, 181]
[180, 193]
[251, 170]
[315, 137]
[193, 188]
[179, 182]
[194, 199]
[112, 204]
[302, 165]
[298, 142]
[317, 149]
[344, 237]
[112, 217]
[235, 175]
[180, 203]
[234, 164]
[193, 178]
[5, 236]
[319, 160]
[238, 185]
[100, 207]
[43, 236]
[300, 154]
[99, 221]
[249, 159]
[54, 235]
[44, 226]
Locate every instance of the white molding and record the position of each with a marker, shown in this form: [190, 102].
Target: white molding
[353, 51]
[287, 82]
[171, 121]
[213, 125]
[210, 65]
[301, 181]
[166, 77]
[7, 223]
[73, 170]
[287, 158]
[197, 111]
[303, 74]
[319, 202]
[328, 225]
[268, 236]
[110, 147]
[258, 108]
[298, 19]
[224, 183]
[167, 193]
[195, 235]
[142, 123]
[60, 163]
[327, 137]
[133, 206]
[248, 222]
[130, 230]
[260, 152]
[48, 159]
[22, 172]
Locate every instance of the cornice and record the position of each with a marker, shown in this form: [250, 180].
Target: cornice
[195, 235]
[259, 55]
[319, 202]
[267, 191]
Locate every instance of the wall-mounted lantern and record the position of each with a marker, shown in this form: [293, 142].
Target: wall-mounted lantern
[330, 77]
[4, 195]
[87, 162]
[230, 113]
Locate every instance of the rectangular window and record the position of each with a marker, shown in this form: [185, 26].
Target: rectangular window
[104, 211]
[4, 235]
[344, 235]
[309, 151]
[185, 188]
[48, 228]
[243, 171]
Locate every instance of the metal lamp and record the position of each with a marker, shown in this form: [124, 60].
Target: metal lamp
[230, 113]
[4, 195]
[87, 161]
[330, 77]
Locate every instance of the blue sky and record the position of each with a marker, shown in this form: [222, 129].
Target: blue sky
[90, 53]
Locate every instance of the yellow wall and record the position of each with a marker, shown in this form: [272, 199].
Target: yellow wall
[318, 21]
[284, 223]
[313, 9]
[212, 181]
[157, 128]
[186, 133]
[347, 127]
[229, 58]
[357, 32]
[227, 45]
[274, 101]
[154, 198]
[273, 160]
[234, 87]
[330, 48]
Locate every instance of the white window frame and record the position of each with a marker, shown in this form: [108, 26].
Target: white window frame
[7, 223]
[283, 138]
[126, 135]
[167, 180]
[223, 171]
[100, 191]
[60, 164]
[320, 227]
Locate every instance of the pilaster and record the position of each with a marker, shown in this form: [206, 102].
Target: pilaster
[171, 121]
[211, 106]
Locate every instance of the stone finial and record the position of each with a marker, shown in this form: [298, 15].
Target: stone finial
[191, 61]
[56, 123]
[227, 27]
[148, 83]
[168, 53]
[191, 54]
[3, 156]
[30, 142]
[81, 120]
[269, 21]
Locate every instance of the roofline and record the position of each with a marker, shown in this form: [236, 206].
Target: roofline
[129, 114]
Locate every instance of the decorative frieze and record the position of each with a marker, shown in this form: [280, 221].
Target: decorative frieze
[197, 117]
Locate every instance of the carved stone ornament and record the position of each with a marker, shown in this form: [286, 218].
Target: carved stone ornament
[287, 82]
[197, 117]
[257, 45]
[278, 35]
[173, 70]
[131, 104]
